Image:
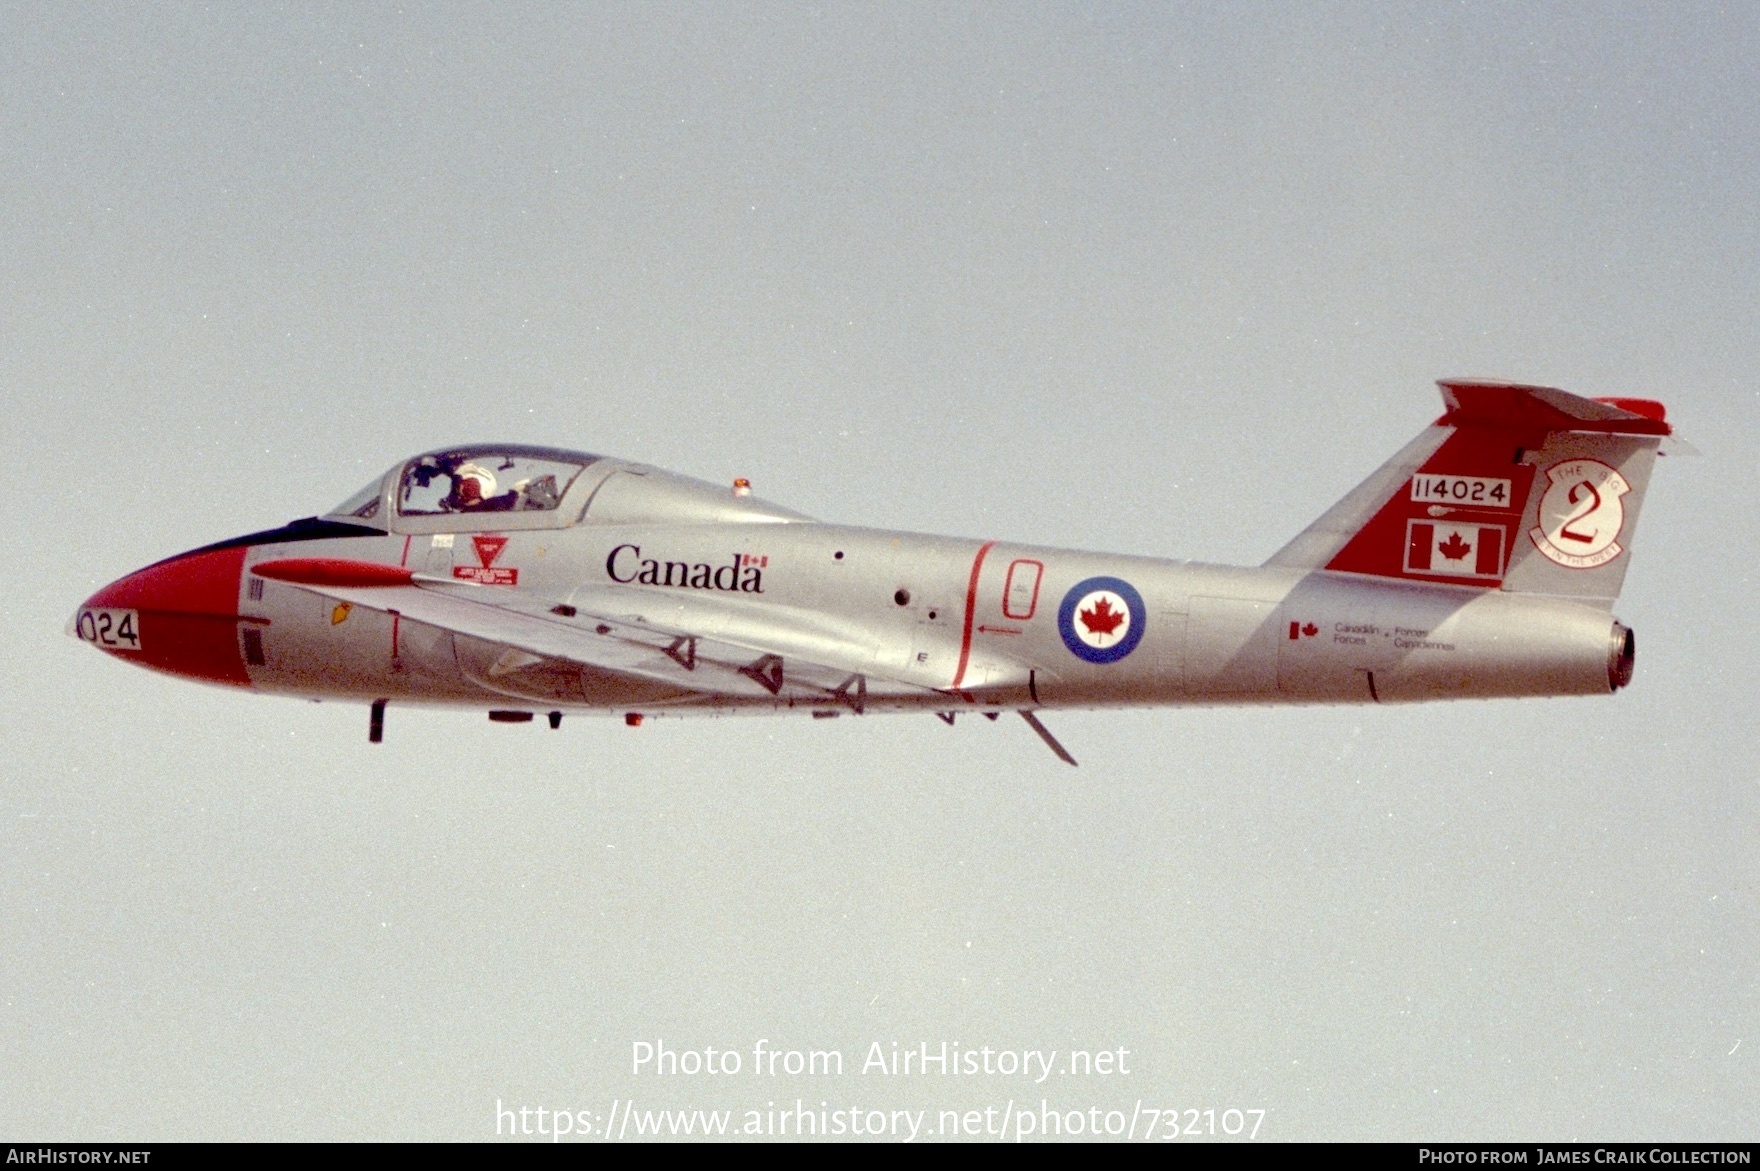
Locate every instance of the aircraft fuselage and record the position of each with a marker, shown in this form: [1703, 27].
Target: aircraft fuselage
[989, 624]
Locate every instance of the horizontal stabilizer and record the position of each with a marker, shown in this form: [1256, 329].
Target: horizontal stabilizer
[1511, 406]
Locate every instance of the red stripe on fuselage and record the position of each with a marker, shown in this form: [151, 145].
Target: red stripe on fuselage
[965, 640]
[396, 618]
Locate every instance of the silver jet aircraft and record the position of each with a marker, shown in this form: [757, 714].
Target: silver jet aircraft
[1482, 560]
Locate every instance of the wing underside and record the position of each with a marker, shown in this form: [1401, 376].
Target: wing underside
[609, 630]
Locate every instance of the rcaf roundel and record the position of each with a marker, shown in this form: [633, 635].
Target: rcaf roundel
[1101, 619]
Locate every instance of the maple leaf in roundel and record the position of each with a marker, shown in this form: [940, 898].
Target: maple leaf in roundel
[1454, 548]
[1102, 618]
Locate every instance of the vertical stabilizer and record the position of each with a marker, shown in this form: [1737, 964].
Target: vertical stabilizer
[1521, 488]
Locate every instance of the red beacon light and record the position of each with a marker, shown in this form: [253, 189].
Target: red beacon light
[742, 487]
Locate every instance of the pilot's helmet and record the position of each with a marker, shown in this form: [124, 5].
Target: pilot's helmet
[473, 482]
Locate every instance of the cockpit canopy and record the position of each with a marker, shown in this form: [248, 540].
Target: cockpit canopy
[488, 479]
[509, 486]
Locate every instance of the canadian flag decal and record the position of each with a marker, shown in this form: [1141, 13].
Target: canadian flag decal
[1454, 550]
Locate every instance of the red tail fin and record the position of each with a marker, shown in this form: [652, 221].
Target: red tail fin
[1525, 488]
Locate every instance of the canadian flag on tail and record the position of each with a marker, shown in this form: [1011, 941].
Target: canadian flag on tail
[1456, 550]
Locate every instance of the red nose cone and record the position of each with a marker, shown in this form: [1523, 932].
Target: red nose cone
[179, 616]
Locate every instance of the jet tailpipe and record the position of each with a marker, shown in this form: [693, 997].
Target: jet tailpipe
[1622, 656]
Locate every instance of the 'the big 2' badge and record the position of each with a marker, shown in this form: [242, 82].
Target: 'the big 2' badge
[1581, 514]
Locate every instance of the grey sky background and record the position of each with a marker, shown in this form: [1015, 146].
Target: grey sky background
[1159, 279]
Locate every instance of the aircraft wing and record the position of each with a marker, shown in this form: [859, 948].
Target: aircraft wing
[714, 650]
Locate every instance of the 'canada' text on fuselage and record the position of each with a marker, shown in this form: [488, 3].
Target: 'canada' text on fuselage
[739, 575]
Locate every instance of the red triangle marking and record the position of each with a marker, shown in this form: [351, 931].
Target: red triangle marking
[488, 548]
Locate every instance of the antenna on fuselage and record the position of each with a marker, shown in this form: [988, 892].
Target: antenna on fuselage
[1045, 735]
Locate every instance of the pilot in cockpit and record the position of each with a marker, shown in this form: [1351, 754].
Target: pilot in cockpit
[473, 490]
[481, 479]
